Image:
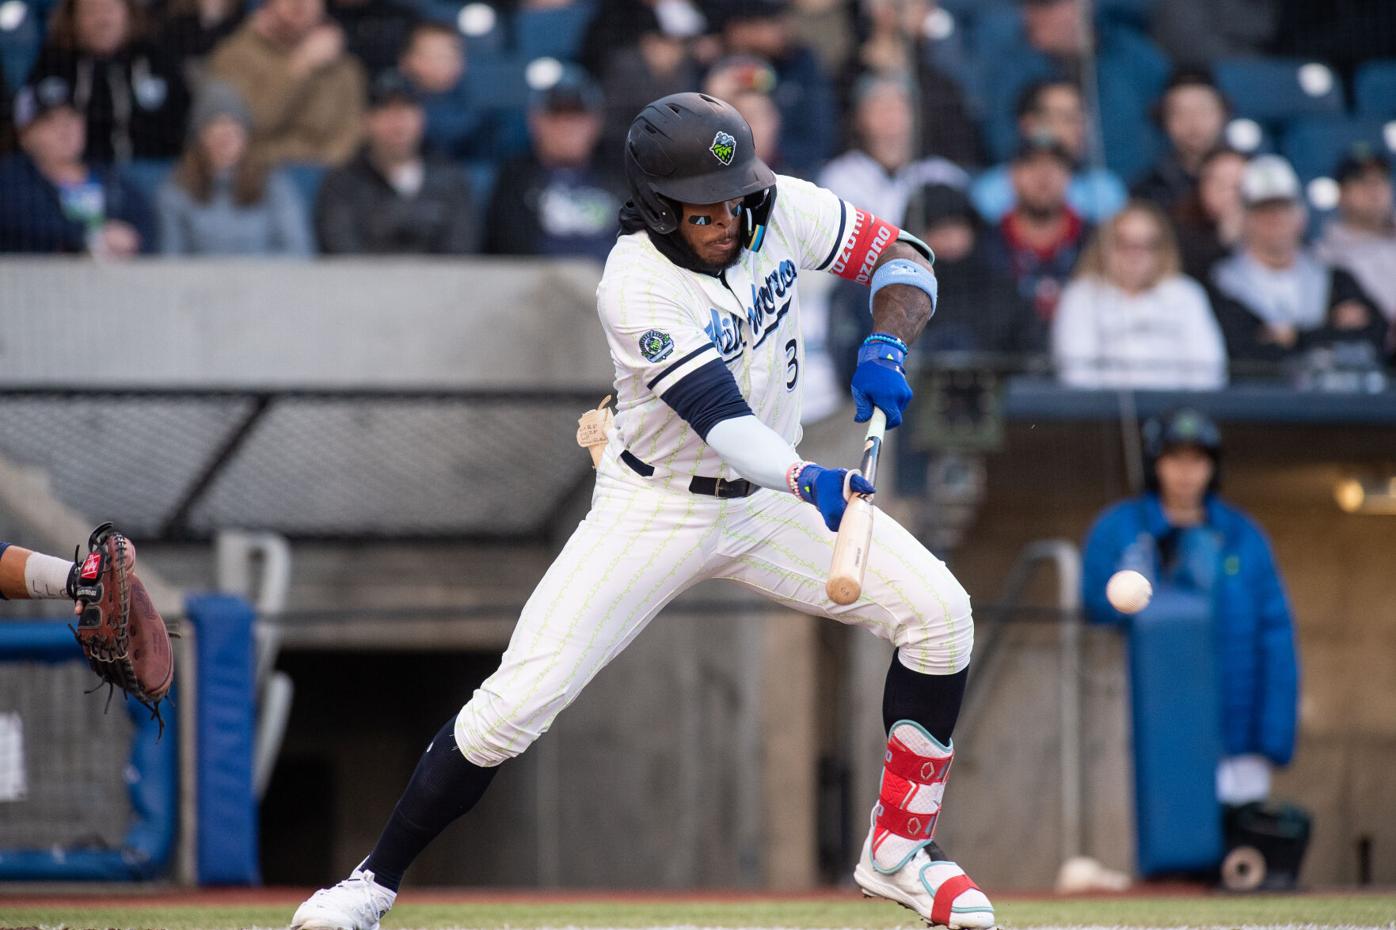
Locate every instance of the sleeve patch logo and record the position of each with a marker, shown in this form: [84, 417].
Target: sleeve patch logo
[656, 346]
[724, 147]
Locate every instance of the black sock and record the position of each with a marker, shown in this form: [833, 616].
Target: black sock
[931, 700]
[444, 786]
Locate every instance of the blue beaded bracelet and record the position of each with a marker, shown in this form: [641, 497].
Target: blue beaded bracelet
[888, 339]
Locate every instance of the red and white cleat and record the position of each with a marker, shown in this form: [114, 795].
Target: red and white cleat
[899, 861]
[935, 888]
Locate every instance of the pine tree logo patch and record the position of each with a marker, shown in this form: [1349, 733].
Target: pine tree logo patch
[724, 147]
[656, 346]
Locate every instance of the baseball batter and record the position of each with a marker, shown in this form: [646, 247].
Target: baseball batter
[700, 478]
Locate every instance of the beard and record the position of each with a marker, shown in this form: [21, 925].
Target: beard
[695, 262]
[1040, 213]
[729, 258]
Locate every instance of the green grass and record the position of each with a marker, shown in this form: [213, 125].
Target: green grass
[1168, 911]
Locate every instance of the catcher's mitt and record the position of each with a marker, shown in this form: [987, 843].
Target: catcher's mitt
[119, 629]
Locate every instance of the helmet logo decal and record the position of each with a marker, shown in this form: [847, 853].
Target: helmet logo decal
[724, 147]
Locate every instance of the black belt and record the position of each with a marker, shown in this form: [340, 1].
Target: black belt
[712, 487]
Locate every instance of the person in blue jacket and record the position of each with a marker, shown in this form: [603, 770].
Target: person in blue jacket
[1180, 532]
[51, 201]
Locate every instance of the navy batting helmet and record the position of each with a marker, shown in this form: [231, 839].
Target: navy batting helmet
[1181, 427]
[692, 148]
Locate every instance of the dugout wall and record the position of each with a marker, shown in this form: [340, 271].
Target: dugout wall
[97, 792]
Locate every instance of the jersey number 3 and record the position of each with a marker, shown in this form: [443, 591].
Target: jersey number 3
[792, 364]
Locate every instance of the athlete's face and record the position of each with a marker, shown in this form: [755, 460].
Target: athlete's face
[712, 231]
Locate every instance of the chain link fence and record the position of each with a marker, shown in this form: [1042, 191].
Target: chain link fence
[176, 464]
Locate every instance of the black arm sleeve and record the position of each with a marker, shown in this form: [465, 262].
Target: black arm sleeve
[706, 397]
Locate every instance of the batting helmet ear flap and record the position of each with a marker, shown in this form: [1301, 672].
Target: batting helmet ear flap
[659, 212]
[756, 215]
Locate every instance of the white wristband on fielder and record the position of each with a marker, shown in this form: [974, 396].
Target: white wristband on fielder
[46, 576]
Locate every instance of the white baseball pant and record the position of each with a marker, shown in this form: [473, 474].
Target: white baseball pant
[644, 542]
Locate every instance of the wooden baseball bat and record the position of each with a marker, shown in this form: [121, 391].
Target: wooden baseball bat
[850, 560]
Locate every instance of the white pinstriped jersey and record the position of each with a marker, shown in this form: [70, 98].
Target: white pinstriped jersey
[664, 322]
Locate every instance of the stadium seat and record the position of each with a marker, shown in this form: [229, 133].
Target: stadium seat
[554, 32]
[1136, 13]
[147, 174]
[1131, 76]
[497, 86]
[497, 81]
[478, 22]
[307, 178]
[1249, 137]
[1274, 90]
[21, 34]
[1376, 89]
[996, 28]
[482, 174]
[1131, 72]
[1315, 144]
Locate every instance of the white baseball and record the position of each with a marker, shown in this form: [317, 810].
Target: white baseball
[1128, 591]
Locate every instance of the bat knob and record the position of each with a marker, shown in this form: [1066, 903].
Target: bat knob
[843, 591]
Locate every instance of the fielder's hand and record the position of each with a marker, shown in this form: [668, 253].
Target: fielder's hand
[829, 490]
[880, 379]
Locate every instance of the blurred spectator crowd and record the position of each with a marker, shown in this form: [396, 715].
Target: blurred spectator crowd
[1143, 193]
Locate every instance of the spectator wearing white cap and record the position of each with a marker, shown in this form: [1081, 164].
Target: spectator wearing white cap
[1277, 300]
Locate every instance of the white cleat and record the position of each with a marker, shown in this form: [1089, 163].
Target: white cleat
[357, 903]
[935, 888]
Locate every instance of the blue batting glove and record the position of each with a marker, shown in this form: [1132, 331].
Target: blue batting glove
[880, 379]
[828, 489]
